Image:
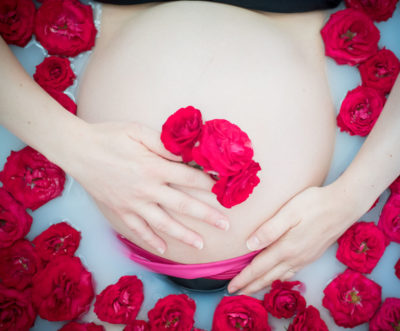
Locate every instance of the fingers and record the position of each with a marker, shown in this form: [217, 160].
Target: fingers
[161, 221]
[186, 205]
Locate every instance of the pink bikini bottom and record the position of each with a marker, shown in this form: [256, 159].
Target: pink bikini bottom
[225, 269]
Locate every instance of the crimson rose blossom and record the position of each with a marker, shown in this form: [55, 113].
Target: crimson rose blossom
[361, 247]
[18, 264]
[63, 290]
[282, 301]
[380, 71]
[15, 222]
[389, 221]
[395, 186]
[16, 310]
[223, 148]
[387, 318]
[138, 325]
[65, 27]
[240, 313]
[378, 10]
[172, 313]
[31, 178]
[64, 100]
[397, 269]
[75, 326]
[235, 189]
[58, 239]
[350, 37]
[119, 303]
[352, 299]
[16, 21]
[359, 110]
[181, 131]
[54, 73]
[308, 319]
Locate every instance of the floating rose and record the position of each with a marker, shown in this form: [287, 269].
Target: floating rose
[350, 37]
[308, 319]
[172, 313]
[361, 247]
[31, 178]
[389, 221]
[378, 10]
[138, 325]
[360, 110]
[352, 299]
[120, 303]
[16, 21]
[65, 27]
[387, 318]
[64, 100]
[240, 313]
[75, 326]
[15, 222]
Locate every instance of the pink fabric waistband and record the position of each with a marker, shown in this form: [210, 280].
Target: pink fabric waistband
[225, 269]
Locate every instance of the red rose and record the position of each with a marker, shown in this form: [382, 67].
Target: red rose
[172, 313]
[380, 71]
[65, 27]
[350, 37]
[378, 10]
[58, 239]
[16, 310]
[240, 313]
[63, 290]
[138, 325]
[361, 247]
[397, 269]
[54, 73]
[352, 298]
[223, 148]
[359, 110]
[75, 326]
[16, 21]
[235, 189]
[31, 178]
[181, 131]
[389, 221]
[120, 303]
[282, 301]
[64, 100]
[15, 222]
[395, 186]
[18, 264]
[308, 319]
[387, 318]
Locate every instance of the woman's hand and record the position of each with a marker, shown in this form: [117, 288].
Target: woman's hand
[127, 170]
[297, 235]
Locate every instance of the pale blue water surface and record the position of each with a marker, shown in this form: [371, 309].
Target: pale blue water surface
[103, 254]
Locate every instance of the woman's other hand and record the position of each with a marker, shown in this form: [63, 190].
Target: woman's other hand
[127, 170]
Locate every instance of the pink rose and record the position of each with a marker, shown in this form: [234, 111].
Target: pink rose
[378, 10]
[397, 269]
[16, 21]
[223, 149]
[65, 27]
[31, 178]
[282, 301]
[387, 318]
[389, 221]
[75, 326]
[119, 303]
[237, 188]
[361, 247]
[58, 239]
[308, 319]
[18, 264]
[64, 100]
[181, 131]
[380, 71]
[352, 299]
[15, 221]
[137, 325]
[172, 313]
[395, 186]
[240, 313]
[359, 110]
[350, 37]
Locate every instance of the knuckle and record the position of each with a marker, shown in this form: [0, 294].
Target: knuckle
[183, 207]
[160, 226]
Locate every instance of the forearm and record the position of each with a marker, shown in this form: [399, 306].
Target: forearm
[34, 116]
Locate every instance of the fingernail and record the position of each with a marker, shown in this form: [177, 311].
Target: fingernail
[253, 243]
[161, 250]
[198, 244]
[222, 224]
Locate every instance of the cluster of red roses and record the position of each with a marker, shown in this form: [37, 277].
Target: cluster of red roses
[221, 148]
[63, 28]
[351, 37]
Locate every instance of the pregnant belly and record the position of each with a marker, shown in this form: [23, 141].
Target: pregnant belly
[230, 63]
